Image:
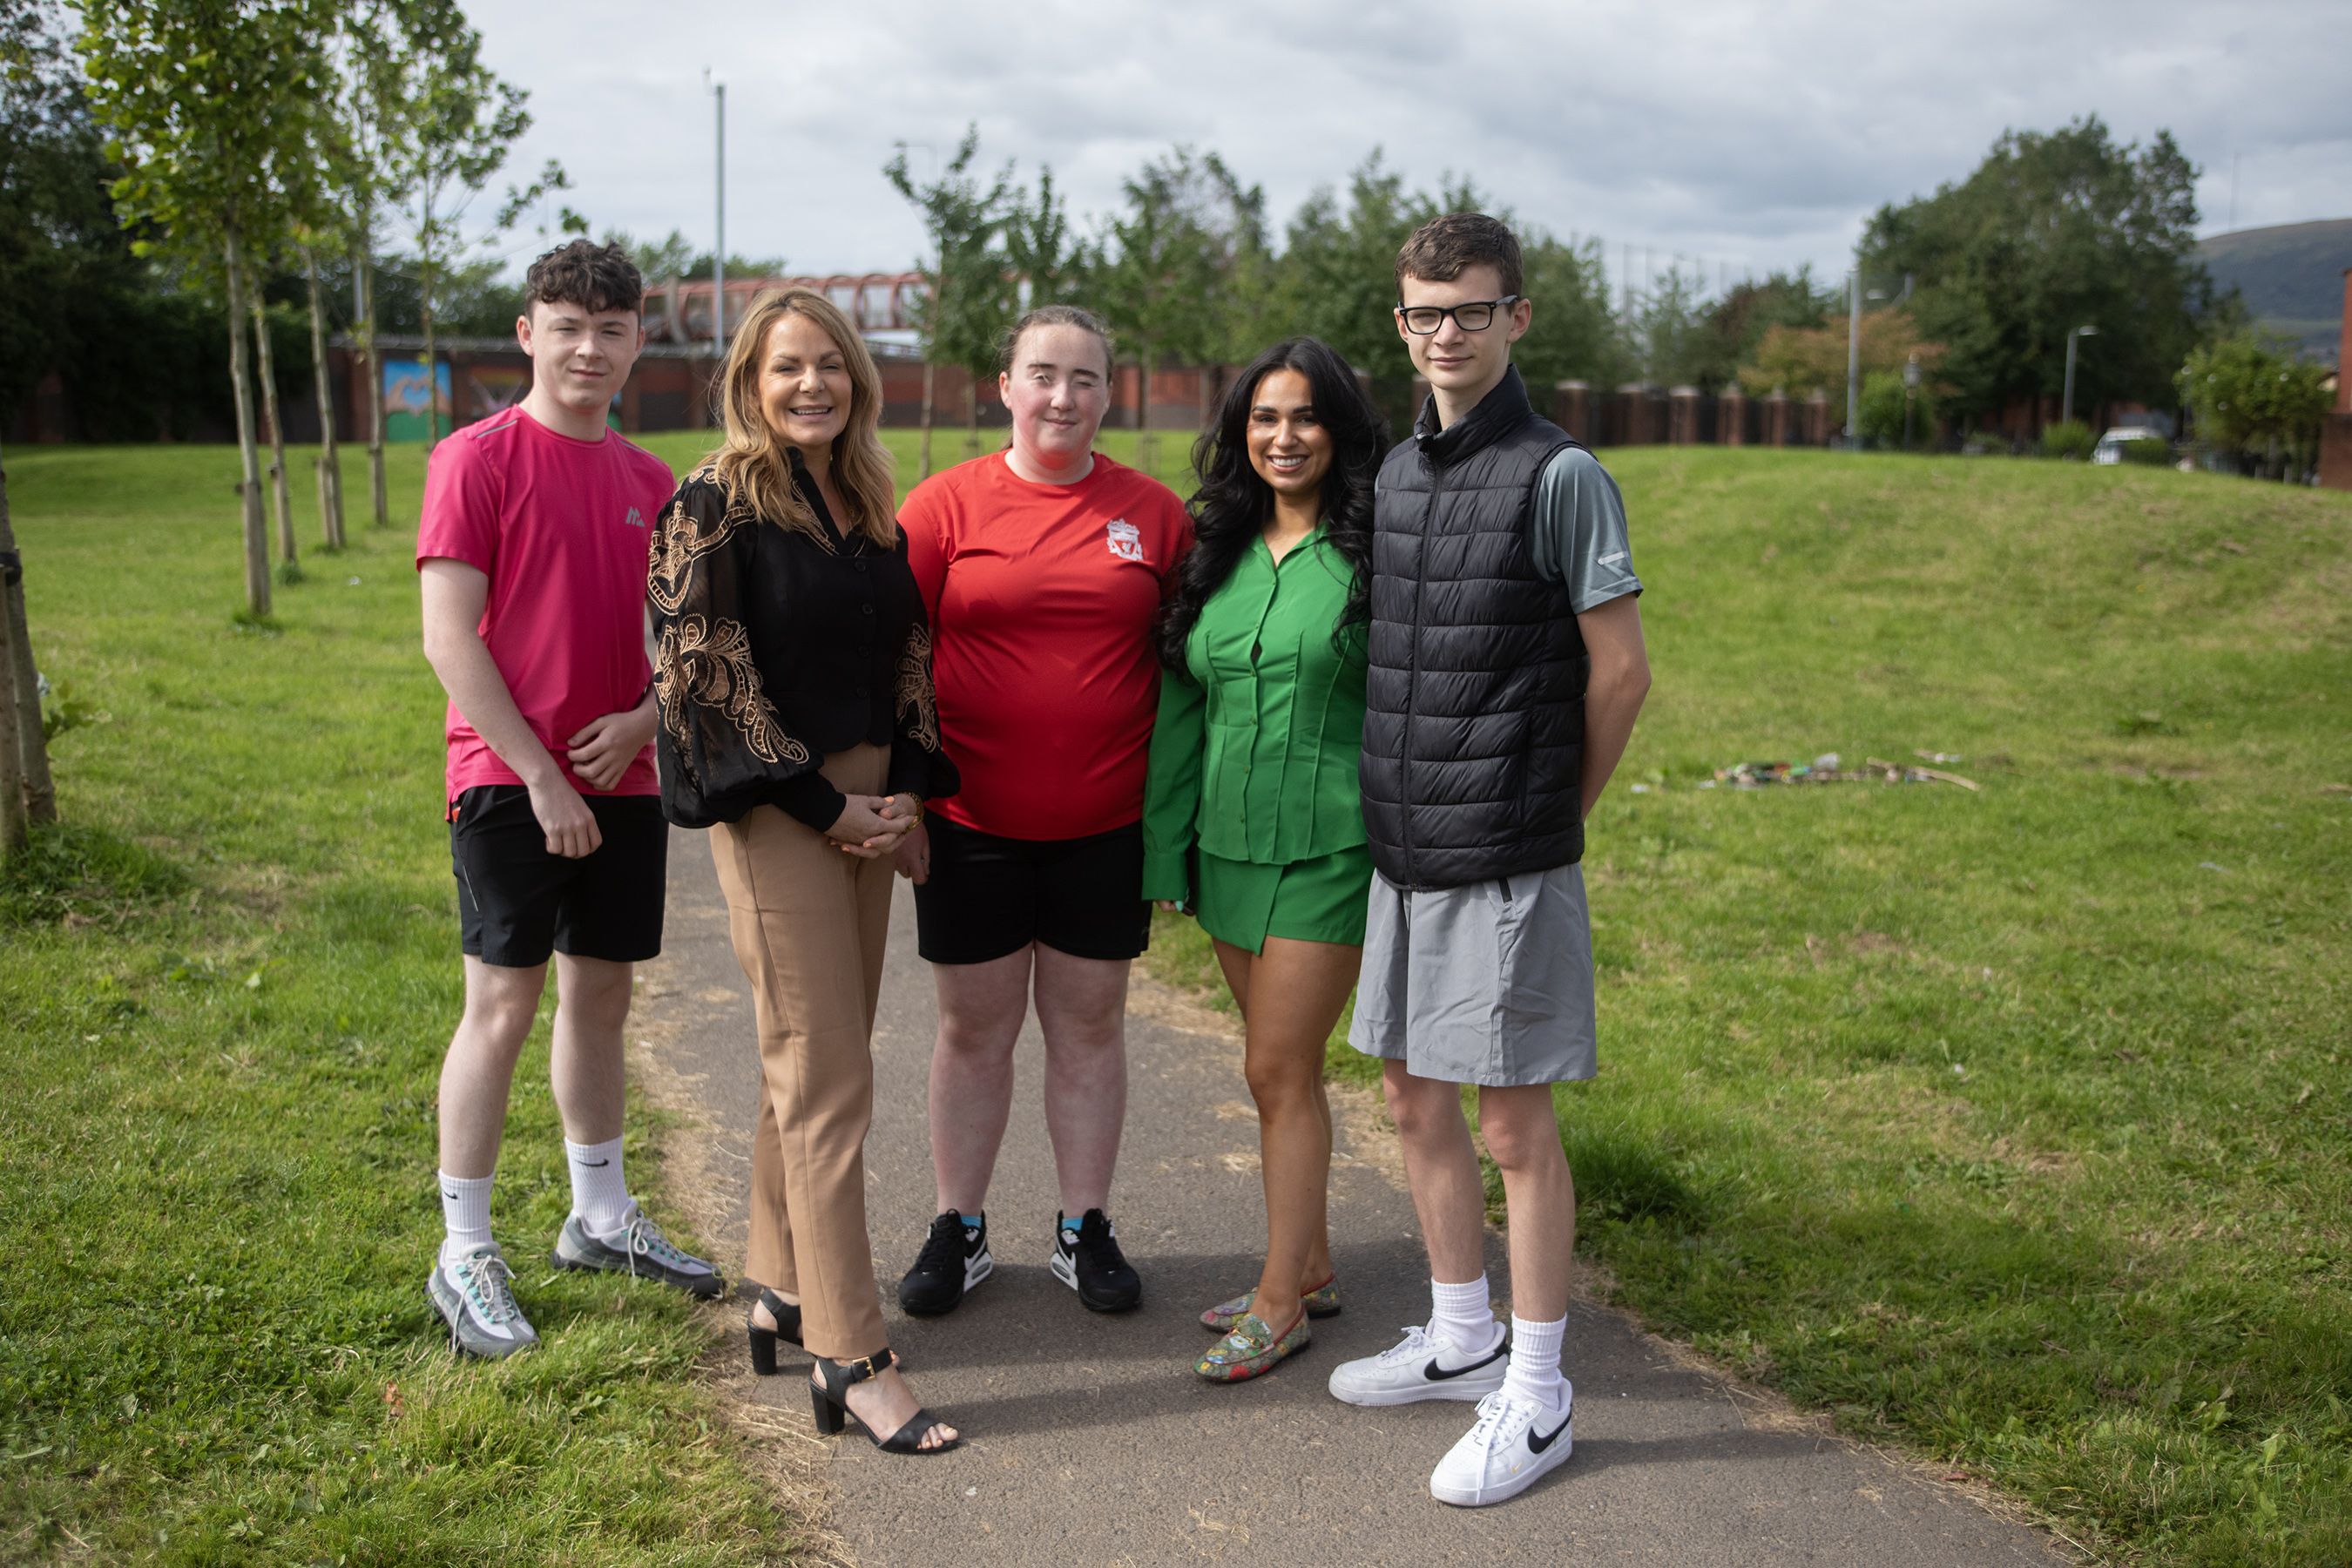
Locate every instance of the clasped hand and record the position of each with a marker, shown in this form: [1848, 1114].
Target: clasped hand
[871, 826]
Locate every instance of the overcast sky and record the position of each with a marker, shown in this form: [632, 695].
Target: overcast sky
[1752, 136]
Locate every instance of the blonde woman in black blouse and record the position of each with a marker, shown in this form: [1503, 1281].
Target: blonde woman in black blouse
[793, 677]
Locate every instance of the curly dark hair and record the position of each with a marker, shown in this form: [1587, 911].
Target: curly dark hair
[596, 277]
[1234, 504]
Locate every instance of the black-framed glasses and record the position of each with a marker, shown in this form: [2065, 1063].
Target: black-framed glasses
[1470, 315]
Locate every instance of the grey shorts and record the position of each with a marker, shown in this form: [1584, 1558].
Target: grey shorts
[1487, 983]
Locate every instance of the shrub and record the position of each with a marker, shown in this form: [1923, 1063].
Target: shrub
[2154, 453]
[1881, 414]
[2068, 438]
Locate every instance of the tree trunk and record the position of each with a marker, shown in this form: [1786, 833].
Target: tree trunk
[14, 832]
[27, 793]
[364, 275]
[331, 463]
[281, 504]
[38, 792]
[257, 531]
[930, 371]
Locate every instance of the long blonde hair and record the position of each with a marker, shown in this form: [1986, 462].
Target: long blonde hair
[752, 464]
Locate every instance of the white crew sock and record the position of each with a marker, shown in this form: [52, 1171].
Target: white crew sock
[465, 1214]
[1534, 1361]
[1464, 1315]
[600, 1194]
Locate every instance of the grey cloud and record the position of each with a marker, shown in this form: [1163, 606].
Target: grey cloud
[1715, 130]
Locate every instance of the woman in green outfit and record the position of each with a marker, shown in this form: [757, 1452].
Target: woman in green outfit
[1251, 818]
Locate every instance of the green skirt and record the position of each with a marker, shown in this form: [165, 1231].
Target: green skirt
[1322, 900]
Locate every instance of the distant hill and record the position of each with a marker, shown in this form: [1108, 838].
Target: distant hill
[2291, 276]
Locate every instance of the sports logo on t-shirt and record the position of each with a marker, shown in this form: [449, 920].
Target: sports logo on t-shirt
[1126, 540]
[634, 519]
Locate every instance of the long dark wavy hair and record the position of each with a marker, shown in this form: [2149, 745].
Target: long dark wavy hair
[1234, 504]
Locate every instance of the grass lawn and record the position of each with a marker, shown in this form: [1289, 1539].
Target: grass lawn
[2011, 1126]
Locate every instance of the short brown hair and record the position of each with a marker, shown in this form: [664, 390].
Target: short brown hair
[596, 277]
[1443, 247]
[1053, 315]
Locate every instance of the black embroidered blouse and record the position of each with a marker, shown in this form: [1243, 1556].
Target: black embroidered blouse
[776, 646]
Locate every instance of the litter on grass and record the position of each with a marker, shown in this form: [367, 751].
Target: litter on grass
[1830, 768]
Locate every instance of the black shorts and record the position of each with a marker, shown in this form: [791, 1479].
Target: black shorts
[989, 896]
[517, 903]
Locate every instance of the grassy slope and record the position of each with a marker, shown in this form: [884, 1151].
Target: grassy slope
[1996, 1123]
[2010, 1125]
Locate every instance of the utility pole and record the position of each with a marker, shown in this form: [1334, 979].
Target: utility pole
[1853, 360]
[2066, 406]
[718, 250]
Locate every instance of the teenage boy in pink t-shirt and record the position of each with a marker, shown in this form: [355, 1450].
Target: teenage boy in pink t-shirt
[532, 553]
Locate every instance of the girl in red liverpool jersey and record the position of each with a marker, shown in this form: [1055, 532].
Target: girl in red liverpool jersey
[1042, 568]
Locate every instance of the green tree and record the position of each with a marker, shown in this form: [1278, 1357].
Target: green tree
[204, 101]
[2054, 230]
[967, 294]
[1732, 328]
[447, 120]
[676, 256]
[2253, 397]
[1172, 262]
[1336, 281]
[1047, 264]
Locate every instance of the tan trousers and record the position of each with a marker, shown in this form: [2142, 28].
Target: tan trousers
[808, 923]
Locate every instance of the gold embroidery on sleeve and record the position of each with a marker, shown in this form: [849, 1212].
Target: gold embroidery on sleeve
[681, 539]
[709, 664]
[917, 697]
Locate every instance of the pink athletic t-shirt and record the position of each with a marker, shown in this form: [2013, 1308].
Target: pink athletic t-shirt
[563, 531]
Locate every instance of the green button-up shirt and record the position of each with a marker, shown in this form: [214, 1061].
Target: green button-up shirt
[1253, 757]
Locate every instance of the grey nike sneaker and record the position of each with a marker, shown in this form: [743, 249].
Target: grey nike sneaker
[641, 1250]
[475, 1296]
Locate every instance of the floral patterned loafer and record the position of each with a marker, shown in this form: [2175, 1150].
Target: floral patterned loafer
[1323, 1301]
[1251, 1348]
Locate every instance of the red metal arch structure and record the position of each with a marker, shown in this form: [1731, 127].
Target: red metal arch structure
[678, 311]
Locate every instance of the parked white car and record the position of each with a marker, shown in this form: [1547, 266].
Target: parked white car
[2110, 449]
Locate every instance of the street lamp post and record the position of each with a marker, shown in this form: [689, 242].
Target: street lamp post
[1854, 351]
[2066, 404]
[718, 250]
[1853, 361]
[1910, 390]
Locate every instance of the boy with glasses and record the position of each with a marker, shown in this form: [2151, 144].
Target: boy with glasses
[1506, 667]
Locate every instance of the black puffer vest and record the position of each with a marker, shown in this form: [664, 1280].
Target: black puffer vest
[1474, 727]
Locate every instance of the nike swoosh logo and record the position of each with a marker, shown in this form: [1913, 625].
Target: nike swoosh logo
[450, 1195]
[596, 1165]
[1436, 1373]
[1536, 1443]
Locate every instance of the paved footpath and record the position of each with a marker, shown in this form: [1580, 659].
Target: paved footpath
[1091, 1441]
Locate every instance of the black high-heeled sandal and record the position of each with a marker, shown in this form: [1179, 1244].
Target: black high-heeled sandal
[763, 1341]
[830, 1406]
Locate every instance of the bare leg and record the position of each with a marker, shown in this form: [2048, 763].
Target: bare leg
[1082, 1008]
[1296, 990]
[479, 1070]
[586, 1063]
[1442, 1168]
[1522, 1131]
[981, 1007]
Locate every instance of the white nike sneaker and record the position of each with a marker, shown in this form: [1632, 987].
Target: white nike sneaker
[1516, 1441]
[1421, 1367]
